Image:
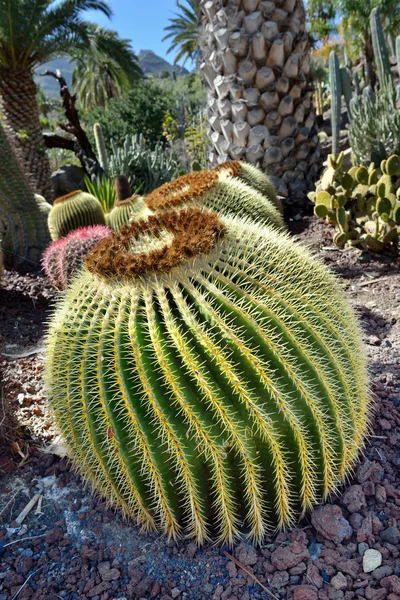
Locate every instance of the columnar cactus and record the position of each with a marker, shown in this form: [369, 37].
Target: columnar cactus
[76, 209]
[64, 257]
[336, 99]
[222, 189]
[23, 227]
[381, 54]
[208, 376]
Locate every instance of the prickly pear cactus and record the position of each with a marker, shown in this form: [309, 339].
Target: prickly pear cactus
[208, 376]
[363, 204]
[225, 189]
[64, 257]
[76, 209]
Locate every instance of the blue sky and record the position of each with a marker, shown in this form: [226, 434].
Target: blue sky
[142, 21]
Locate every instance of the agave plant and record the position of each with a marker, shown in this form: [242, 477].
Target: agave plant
[102, 189]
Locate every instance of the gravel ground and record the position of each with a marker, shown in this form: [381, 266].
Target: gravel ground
[347, 549]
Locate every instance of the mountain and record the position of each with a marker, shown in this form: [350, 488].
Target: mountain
[50, 85]
[151, 64]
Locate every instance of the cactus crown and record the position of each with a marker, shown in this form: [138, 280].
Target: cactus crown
[219, 189]
[61, 199]
[176, 237]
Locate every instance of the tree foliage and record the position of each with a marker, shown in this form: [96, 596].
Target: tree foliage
[184, 30]
[140, 111]
[105, 66]
[34, 31]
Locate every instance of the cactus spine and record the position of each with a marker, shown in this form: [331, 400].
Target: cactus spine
[75, 210]
[222, 189]
[336, 99]
[101, 148]
[23, 227]
[380, 49]
[207, 375]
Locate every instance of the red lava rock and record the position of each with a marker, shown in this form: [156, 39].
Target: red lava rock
[106, 573]
[339, 581]
[142, 587]
[54, 535]
[375, 594]
[369, 470]
[98, 589]
[89, 553]
[305, 592]
[314, 576]
[380, 494]
[289, 556]
[155, 589]
[280, 579]
[393, 597]
[354, 499]
[246, 554]
[330, 523]
[391, 583]
[13, 579]
[23, 564]
[350, 566]
[381, 572]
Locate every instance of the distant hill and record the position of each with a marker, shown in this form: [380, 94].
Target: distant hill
[48, 84]
[151, 64]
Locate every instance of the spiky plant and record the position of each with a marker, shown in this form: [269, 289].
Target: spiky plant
[222, 189]
[126, 206]
[72, 211]
[23, 225]
[64, 257]
[208, 376]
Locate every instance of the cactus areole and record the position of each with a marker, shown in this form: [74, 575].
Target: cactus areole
[208, 376]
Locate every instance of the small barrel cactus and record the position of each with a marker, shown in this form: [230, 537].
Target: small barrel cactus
[126, 206]
[76, 209]
[222, 189]
[63, 258]
[208, 375]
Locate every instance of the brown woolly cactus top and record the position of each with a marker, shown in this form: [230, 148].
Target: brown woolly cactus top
[170, 239]
[66, 196]
[126, 201]
[232, 166]
[181, 190]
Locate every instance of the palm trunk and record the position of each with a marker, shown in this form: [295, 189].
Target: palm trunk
[256, 64]
[21, 121]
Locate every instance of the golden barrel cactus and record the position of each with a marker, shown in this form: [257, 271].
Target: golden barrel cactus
[208, 376]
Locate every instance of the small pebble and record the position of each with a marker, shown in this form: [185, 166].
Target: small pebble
[372, 559]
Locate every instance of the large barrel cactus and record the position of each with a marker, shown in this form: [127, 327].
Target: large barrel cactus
[208, 376]
[231, 189]
[74, 210]
[23, 226]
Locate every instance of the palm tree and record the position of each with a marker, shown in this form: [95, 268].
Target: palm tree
[256, 61]
[184, 31]
[31, 33]
[105, 67]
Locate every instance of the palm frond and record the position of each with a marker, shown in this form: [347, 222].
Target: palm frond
[184, 30]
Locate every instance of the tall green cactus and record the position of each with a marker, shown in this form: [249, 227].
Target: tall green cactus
[101, 148]
[398, 53]
[346, 88]
[222, 189]
[356, 83]
[23, 226]
[76, 209]
[380, 50]
[208, 376]
[336, 99]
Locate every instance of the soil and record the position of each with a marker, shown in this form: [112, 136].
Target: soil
[84, 550]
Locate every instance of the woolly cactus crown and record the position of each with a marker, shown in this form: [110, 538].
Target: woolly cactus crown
[217, 189]
[208, 376]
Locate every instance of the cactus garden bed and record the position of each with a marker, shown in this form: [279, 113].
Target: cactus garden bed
[86, 550]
